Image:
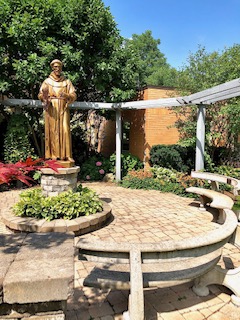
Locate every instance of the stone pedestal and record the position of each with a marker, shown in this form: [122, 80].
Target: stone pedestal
[53, 183]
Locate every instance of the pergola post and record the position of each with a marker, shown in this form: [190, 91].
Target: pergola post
[118, 143]
[200, 138]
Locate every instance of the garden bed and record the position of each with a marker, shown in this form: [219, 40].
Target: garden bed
[80, 225]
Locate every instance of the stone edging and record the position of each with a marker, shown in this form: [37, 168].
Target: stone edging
[79, 225]
[211, 238]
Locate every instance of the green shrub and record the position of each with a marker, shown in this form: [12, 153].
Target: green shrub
[228, 171]
[67, 205]
[153, 184]
[95, 168]
[164, 173]
[175, 156]
[140, 183]
[162, 179]
[128, 162]
[236, 205]
[17, 144]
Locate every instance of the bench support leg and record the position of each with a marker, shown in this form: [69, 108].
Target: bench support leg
[221, 217]
[203, 202]
[136, 297]
[228, 278]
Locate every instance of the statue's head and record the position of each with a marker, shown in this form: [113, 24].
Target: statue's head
[56, 66]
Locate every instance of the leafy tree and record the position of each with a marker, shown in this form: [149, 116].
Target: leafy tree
[82, 33]
[205, 70]
[16, 142]
[153, 66]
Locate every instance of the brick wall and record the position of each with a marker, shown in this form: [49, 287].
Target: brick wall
[148, 127]
[159, 122]
[137, 131]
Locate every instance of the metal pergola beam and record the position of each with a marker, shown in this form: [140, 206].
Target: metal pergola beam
[223, 91]
[143, 104]
[214, 94]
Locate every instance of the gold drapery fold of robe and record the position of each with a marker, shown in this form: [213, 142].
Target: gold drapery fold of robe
[60, 94]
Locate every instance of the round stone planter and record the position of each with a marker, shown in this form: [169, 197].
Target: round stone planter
[79, 226]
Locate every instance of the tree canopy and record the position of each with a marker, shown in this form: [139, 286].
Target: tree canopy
[153, 66]
[205, 70]
[102, 65]
[82, 33]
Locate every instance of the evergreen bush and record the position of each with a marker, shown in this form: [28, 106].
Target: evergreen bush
[174, 156]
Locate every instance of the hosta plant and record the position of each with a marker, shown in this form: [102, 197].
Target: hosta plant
[67, 205]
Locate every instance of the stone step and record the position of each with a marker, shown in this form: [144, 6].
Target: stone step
[37, 270]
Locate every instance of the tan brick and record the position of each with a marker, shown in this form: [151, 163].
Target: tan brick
[195, 315]
[172, 315]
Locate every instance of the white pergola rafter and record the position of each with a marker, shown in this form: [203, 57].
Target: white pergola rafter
[221, 92]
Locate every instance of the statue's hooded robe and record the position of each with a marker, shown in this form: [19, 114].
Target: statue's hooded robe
[58, 143]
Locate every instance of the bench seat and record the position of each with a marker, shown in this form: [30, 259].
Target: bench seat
[214, 198]
[215, 179]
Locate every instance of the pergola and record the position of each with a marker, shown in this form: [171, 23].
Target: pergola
[200, 99]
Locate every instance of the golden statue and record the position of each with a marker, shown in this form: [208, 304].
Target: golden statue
[57, 93]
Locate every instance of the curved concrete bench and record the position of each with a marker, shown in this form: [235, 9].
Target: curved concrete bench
[215, 179]
[214, 199]
[218, 200]
[138, 265]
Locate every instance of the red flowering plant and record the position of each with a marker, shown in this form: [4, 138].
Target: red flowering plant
[21, 169]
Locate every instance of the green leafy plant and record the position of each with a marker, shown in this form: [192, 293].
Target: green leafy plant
[95, 168]
[21, 169]
[236, 205]
[164, 173]
[175, 157]
[16, 142]
[148, 183]
[228, 171]
[162, 179]
[67, 205]
[128, 162]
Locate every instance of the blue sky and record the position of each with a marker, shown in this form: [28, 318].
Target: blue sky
[181, 25]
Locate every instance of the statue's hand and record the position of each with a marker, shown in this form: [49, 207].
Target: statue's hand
[64, 95]
[45, 93]
[46, 104]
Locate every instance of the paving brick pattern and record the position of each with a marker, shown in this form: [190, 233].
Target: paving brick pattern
[149, 216]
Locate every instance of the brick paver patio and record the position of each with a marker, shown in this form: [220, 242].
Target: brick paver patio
[149, 216]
